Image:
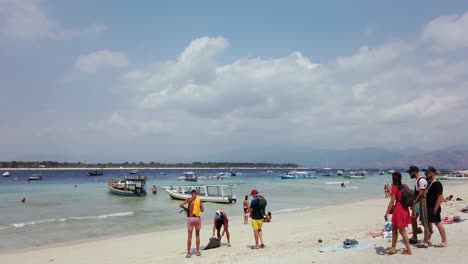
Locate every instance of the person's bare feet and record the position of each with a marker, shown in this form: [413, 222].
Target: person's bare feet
[405, 252]
[198, 253]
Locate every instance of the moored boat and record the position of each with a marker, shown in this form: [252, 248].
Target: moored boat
[98, 172]
[128, 186]
[291, 175]
[207, 193]
[35, 177]
[133, 172]
[6, 174]
[189, 176]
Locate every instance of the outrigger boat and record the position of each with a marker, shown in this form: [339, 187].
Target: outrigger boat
[455, 175]
[128, 186]
[207, 193]
[355, 175]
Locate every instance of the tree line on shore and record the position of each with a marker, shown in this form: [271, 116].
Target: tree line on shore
[141, 164]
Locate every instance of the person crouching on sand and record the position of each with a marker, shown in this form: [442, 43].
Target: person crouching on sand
[401, 216]
[221, 220]
[194, 211]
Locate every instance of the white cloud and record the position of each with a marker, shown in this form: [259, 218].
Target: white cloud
[292, 99]
[97, 61]
[448, 32]
[26, 20]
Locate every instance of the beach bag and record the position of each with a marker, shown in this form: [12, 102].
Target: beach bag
[213, 243]
[262, 203]
[407, 197]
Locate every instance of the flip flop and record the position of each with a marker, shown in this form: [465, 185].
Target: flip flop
[413, 241]
[422, 245]
[440, 246]
[262, 246]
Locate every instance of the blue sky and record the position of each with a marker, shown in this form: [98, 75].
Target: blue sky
[213, 80]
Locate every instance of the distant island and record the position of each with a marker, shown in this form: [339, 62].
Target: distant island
[141, 164]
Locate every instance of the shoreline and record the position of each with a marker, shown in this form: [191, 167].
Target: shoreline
[158, 168]
[291, 236]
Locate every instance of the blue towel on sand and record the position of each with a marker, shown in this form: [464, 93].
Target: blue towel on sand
[341, 247]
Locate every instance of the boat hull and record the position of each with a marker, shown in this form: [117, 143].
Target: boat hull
[452, 178]
[212, 199]
[124, 193]
[355, 177]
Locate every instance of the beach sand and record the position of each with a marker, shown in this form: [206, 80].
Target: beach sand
[290, 238]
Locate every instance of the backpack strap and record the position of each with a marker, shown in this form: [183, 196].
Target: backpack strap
[427, 190]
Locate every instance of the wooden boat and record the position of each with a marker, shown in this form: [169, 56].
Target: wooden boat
[35, 177]
[207, 193]
[128, 186]
[96, 172]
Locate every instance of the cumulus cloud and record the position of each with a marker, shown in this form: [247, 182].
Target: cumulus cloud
[293, 99]
[26, 20]
[448, 32]
[98, 61]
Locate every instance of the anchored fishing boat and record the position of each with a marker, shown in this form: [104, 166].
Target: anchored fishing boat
[207, 193]
[455, 175]
[188, 176]
[133, 172]
[356, 175]
[128, 186]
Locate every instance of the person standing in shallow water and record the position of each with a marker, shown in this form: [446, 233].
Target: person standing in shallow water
[401, 217]
[246, 209]
[194, 211]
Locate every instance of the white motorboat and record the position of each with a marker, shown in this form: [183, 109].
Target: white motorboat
[128, 186]
[455, 175]
[290, 175]
[6, 174]
[35, 177]
[188, 176]
[339, 173]
[381, 172]
[270, 171]
[133, 172]
[207, 193]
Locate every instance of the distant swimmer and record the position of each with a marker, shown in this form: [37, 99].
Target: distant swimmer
[154, 189]
[23, 200]
[343, 185]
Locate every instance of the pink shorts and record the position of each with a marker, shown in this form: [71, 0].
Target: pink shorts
[193, 222]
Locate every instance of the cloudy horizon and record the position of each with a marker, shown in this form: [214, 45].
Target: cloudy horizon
[211, 82]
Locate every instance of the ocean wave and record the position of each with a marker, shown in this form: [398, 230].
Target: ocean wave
[4, 227]
[103, 216]
[18, 225]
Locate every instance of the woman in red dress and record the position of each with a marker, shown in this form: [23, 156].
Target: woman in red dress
[400, 218]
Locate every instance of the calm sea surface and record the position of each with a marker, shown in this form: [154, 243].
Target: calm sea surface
[56, 211]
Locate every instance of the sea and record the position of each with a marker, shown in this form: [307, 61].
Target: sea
[68, 205]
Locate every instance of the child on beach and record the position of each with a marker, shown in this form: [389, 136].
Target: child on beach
[400, 218]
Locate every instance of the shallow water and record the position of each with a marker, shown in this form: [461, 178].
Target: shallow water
[56, 211]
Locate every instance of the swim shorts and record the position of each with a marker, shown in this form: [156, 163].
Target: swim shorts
[193, 222]
[257, 224]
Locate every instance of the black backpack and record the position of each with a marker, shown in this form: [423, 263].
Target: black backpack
[407, 197]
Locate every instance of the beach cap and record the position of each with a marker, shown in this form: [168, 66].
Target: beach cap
[412, 169]
[254, 192]
[430, 169]
[217, 215]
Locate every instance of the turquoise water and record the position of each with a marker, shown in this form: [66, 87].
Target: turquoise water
[56, 211]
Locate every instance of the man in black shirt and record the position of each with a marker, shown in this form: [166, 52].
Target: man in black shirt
[434, 199]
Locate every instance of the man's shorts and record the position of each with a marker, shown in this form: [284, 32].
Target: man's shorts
[193, 222]
[257, 224]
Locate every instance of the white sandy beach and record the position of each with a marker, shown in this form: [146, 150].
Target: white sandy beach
[290, 238]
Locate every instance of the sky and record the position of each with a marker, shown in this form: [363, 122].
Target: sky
[183, 81]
